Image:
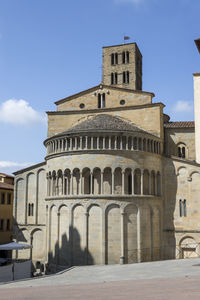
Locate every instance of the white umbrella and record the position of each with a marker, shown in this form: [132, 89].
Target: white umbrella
[15, 246]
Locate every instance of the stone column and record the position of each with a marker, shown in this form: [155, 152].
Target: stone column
[139, 235]
[123, 182]
[91, 183]
[86, 142]
[92, 142]
[122, 257]
[102, 183]
[70, 144]
[121, 143]
[133, 187]
[156, 187]
[132, 144]
[126, 142]
[58, 239]
[71, 184]
[115, 143]
[76, 143]
[113, 182]
[98, 143]
[109, 143]
[86, 237]
[104, 142]
[81, 183]
[142, 182]
[104, 254]
[81, 142]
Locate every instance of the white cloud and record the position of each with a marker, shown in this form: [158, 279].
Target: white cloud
[183, 106]
[11, 164]
[19, 112]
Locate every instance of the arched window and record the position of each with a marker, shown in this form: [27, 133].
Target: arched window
[127, 57]
[116, 78]
[126, 77]
[103, 100]
[30, 209]
[182, 208]
[181, 150]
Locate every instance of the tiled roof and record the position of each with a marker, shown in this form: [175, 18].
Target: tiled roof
[6, 186]
[181, 124]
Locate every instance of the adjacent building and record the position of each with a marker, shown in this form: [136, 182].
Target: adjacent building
[6, 207]
[120, 181]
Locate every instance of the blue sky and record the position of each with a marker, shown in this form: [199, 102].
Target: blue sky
[50, 49]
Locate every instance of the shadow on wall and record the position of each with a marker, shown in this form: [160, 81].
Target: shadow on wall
[70, 252]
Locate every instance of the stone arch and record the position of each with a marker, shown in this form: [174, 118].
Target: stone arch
[97, 181]
[31, 196]
[53, 183]
[41, 193]
[86, 181]
[76, 181]
[128, 189]
[107, 181]
[188, 247]
[20, 203]
[59, 183]
[67, 181]
[153, 182]
[118, 181]
[113, 234]
[24, 237]
[38, 240]
[137, 182]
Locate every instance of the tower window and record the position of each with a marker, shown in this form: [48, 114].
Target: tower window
[114, 78]
[122, 102]
[114, 59]
[181, 151]
[82, 105]
[101, 100]
[1, 224]
[126, 77]
[125, 57]
[9, 198]
[2, 198]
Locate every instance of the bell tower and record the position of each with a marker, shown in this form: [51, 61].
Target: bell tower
[122, 66]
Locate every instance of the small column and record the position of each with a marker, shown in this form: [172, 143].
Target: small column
[62, 141]
[136, 144]
[71, 184]
[92, 142]
[86, 238]
[98, 143]
[81, 181]
[63, 185]
[86, 142]
[122, 257]
[81, 142]
[153, 148]
[142, 182]
[103, 261]
[109, 143]
[121, 143]
[113, 183]
[70, 139]
[58, 239]
[115, 143]
[123, 182]
[91, 183]
[132, 143]
[133, 187]
[101, 183]
[104, 142]
[126, 142]
[76, 143]
[138, 237]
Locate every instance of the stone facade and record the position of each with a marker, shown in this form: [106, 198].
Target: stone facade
[119, 183]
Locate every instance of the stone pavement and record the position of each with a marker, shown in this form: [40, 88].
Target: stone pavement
[173, 279]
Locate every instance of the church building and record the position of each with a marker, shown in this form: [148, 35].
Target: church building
[120, 181]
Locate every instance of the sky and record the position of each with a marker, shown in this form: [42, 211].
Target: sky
[51, 49]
